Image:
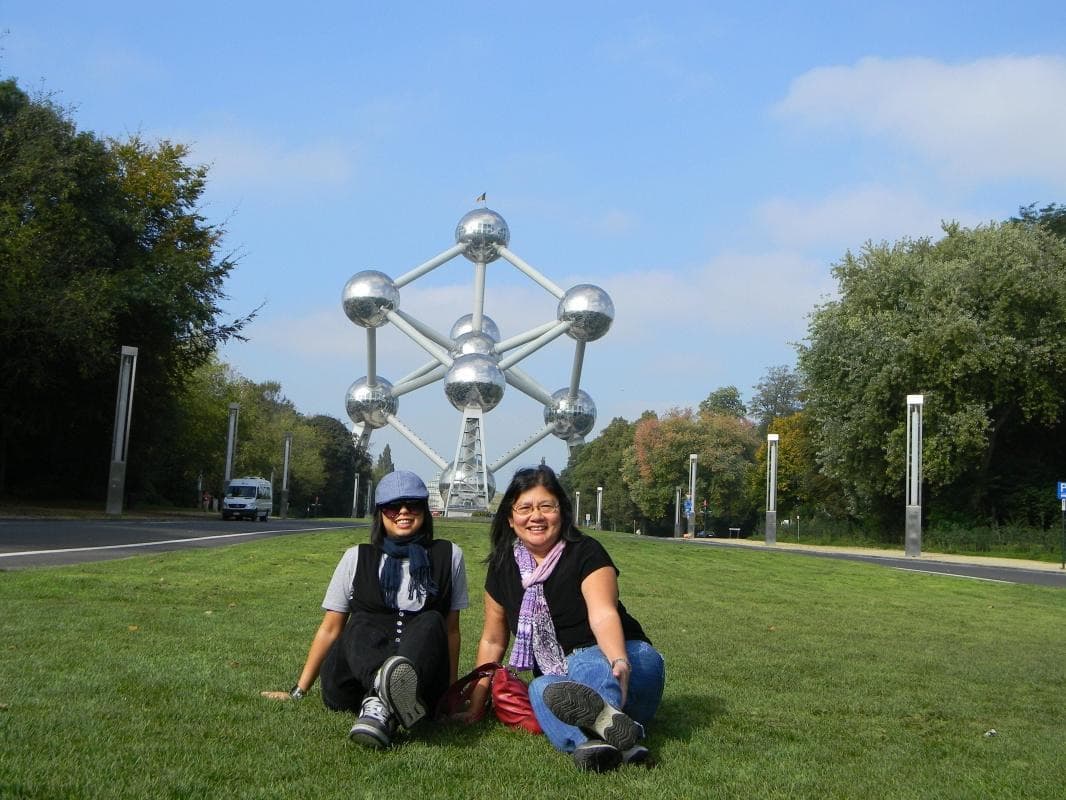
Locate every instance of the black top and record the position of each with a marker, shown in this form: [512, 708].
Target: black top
[366, 587]
[563, 593]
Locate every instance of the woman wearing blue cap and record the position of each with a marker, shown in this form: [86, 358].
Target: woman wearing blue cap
[388, 645]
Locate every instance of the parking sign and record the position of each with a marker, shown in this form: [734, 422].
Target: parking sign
[1062, 490]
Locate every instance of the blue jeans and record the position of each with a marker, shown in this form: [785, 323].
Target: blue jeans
[589, 666]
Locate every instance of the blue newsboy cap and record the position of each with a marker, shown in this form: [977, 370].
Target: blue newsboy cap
[400, 485]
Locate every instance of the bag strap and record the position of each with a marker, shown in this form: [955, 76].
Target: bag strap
[458, 694]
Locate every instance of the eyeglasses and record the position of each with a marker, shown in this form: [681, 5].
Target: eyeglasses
[544, 507]
[392, 510]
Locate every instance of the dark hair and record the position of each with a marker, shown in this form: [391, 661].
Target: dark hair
[502, 535]
[377, 527]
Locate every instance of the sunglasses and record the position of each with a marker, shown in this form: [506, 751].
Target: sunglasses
[392, 510]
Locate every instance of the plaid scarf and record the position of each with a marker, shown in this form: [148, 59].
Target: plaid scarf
[535, 643]
[422, 583]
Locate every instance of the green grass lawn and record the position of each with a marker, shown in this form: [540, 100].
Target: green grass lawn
[787, 677]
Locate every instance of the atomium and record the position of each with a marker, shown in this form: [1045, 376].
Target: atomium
[482, 231]
[474, 363]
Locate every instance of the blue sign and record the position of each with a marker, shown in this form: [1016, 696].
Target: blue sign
[1062, 490]
[688, 505]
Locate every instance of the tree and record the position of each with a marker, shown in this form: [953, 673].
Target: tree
[102, 246]
[657, 464]
[599, 464]
[975, 322]
[383, 466]
[1051, 216]
[777, 395]
[724, 401]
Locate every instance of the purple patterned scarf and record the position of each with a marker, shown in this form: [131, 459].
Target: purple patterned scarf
[535, 642]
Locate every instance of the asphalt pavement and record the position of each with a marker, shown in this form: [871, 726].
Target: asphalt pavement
[987, 568]
[50, 541]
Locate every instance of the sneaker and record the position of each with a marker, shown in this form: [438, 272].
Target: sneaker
[638, 755]
[375, 725]
[596, 756]
[580, 705]
[397, 685]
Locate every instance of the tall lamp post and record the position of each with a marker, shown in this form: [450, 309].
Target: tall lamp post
[599, 508]
[677, 512]
[231, 440]
[285, 477]
[127, 374]
[913, 535]
[692, 459]
[771, 487]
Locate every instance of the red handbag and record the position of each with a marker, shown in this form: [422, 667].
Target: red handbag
[509, 697]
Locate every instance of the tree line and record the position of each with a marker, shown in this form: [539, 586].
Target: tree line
[974, 321]
[102, 245]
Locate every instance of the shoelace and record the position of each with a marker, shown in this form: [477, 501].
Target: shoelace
[374, 708]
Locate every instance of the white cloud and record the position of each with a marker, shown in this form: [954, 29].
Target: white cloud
[849, 217]
[243, 161]
[993, 118]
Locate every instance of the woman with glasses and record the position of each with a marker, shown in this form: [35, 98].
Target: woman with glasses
[388, 645]
[596, 678]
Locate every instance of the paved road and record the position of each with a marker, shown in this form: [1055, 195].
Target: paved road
[51, 542]
[1003, 570]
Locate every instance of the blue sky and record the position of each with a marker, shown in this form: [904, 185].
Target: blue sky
[705, 164]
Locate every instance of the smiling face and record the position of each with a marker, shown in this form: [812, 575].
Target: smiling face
[536, 520]
[403, 518]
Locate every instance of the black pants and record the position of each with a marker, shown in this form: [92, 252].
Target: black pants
[368, 639]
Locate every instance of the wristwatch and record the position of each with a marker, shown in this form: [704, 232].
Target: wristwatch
[296, 692]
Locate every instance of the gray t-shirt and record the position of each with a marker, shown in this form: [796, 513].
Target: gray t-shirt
[339, 592]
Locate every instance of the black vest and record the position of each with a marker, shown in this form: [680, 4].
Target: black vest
[366, 587]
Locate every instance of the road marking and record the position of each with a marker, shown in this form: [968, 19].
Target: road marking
[951, 575]
[155, 544]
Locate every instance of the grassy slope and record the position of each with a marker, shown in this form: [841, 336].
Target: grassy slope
[787, 677]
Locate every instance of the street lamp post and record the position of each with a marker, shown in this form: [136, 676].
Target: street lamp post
[127, 374]
[677, 512]
[692, 459]
[913, 534]
[231, 441]
[285, 477]
[599, 508]
[577, 506]
[771, 487]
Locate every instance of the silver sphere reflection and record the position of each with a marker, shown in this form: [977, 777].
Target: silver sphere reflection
[444, 485]
[571, 417]
[474, 380]
[465, 324]
[474, 343]
[481, 230]
[367, 296]
[370, 404]
[590, 310]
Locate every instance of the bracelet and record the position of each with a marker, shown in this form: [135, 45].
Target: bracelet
[623, 660]
[296, 693]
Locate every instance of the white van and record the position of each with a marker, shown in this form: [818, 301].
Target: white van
[248, 497]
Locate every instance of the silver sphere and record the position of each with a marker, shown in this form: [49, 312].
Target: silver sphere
[590, 310]
[465, 324]
[474, 380]
[370, 404]
[571, 417]
[444, 485]
[481, 230]
[367, 296]
[474, 343]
